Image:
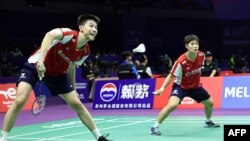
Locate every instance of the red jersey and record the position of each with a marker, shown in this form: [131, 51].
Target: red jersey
[188, 73]
[62, 53]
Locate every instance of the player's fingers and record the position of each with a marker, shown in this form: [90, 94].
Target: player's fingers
[41, 67]
[156, 92]
[42, 72]
[40, 75]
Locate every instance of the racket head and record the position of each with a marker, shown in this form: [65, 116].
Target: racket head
[38, 105]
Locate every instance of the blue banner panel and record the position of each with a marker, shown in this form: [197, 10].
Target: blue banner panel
[124, 94]
[236, 92]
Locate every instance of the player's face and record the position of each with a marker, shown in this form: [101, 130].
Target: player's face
[193, 46]
[90, 30]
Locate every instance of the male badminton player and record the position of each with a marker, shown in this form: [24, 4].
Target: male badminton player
[61, 50]
[187, 83]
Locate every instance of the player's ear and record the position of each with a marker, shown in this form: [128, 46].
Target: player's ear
[80, 27]
[186, 46]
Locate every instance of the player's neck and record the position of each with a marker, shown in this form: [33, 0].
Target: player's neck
[81, 41]
[191, 56]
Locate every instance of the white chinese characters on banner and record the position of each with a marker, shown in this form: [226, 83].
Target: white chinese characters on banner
[134, 91]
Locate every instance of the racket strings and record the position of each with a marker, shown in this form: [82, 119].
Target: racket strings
[41, 100]
[39, 104]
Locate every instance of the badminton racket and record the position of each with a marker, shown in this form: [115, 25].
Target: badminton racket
[39, 103]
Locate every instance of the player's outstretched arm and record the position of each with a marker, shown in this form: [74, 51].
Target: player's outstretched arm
[50, 36]
[55, 34]
[168, 79]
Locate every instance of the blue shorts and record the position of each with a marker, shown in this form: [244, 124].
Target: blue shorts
[56, 84]
[198, 94]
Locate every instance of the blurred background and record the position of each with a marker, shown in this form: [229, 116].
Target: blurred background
[223, 27]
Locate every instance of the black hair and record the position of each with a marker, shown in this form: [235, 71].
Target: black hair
[142, 58]
[125, 54]
[190, 37]
[84, 17]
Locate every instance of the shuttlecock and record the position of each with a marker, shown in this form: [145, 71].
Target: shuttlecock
[140, 48]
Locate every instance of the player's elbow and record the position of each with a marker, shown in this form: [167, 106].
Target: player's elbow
[171, 76]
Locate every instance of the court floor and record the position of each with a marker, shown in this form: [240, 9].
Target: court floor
[127, 128]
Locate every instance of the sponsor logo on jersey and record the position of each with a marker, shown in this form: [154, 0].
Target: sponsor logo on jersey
[184, 62]
[193, 72]
[175, 92]
[60, 52]
[22, 75]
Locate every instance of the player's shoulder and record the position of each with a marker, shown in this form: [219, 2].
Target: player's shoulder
[69, 32]
[200, 53]
[65, 29]
[182, 57]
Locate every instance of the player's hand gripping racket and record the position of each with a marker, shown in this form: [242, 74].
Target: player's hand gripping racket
[39, 103]
[159, 91]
